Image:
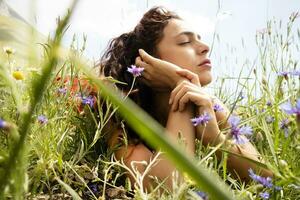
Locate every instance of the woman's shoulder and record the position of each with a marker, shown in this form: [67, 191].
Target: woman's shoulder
[128, 151]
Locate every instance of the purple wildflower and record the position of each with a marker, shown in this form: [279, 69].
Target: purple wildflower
[2, 124]
[269, 103]
[237, 132]
[135, 71]
[292, 73]
[62, 90]
[203, 195]
[264, 195]
[202, 119]
[295, 73]
[265, 181]
[284, 125]
[217, 108]
[93, 189]
[289, 109]
[278, 188]
[241, 95]
[42, 119]
[270, 119]
[283, 73]
[88, 101]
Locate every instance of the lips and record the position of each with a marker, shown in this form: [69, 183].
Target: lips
[205, 63]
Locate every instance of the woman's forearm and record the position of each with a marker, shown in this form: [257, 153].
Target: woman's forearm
[210, 134]
[180, 128]
[182, 132]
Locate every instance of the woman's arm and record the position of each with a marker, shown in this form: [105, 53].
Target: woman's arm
[178, 122]
[190, 91]
[237, 165]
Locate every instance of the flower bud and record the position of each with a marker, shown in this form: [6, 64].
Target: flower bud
[259, 136]
[283, 163]
[8, 50]
[18, 75]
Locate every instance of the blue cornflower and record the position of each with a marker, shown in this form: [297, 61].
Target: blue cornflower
[217, 108]
[264, 195]
[295, 73]
[283, 73]
[265, 181]
[237, 132]
[202, 119]
[284, 125]
[269, 103]
[62, 90]
[270, 119]
[289, 109]
[278, 188]
[203, 195]
[2, 124]
[135, 71]
[42, 119]
[241, 95]
[88, 101]
[94, 188]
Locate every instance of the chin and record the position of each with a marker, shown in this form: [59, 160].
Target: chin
[205, 80]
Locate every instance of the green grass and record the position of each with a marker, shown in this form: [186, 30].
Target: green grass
[67, 157]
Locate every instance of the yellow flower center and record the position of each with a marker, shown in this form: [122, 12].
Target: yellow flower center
[18, 75]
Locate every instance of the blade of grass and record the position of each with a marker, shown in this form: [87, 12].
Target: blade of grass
[69, 189]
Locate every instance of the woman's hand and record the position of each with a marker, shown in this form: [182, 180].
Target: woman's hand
[187, 91]
[158, 74]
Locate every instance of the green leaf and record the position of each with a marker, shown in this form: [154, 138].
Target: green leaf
[69, 189]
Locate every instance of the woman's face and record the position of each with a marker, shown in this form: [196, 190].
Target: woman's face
[183, 47]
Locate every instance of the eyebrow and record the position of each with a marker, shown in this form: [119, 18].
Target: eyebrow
[188, 33]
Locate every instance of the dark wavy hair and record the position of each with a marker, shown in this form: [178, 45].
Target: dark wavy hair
[123, 50]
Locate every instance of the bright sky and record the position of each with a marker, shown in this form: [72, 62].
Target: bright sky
[102, 20]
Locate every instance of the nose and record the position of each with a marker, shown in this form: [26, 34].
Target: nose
[202, 48]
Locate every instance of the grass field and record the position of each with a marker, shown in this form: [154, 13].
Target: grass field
[52, 131]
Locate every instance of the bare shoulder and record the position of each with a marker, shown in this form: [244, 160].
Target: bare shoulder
[126, 151]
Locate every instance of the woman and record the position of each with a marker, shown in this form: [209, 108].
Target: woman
[176, 66]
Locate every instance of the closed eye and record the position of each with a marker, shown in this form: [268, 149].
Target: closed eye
[183, 43]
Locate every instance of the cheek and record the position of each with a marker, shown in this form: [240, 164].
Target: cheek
[180, 57]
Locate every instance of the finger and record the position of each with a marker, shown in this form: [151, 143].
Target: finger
[177, 88]
[140, 63]
[175, 91]
[146, 57]
[176, 97]
[184, 100]
[179, 95]
[189, 75]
